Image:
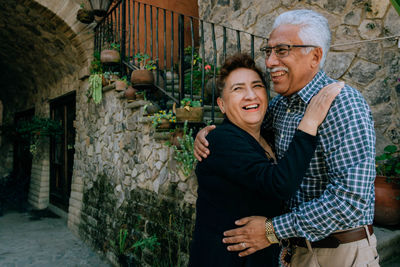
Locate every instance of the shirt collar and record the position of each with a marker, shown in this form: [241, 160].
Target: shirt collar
[313, 87]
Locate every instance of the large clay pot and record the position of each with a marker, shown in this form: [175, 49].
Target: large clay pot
[142, 77]
[85, 16]
[110, 57]
[387, 201]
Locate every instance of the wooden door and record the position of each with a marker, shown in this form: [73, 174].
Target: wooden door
[62, 151]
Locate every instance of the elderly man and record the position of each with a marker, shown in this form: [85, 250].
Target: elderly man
[329, 218]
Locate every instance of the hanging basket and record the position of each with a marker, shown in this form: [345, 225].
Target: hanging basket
[85, 16]
[110, 57]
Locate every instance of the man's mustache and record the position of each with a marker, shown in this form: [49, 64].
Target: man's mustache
[278, 69]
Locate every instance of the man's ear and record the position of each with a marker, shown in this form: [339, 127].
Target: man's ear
[220, 103]
[316, 57]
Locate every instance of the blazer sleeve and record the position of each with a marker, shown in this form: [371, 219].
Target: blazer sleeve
[233, 156]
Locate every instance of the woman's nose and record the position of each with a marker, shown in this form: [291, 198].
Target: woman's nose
[250, 94]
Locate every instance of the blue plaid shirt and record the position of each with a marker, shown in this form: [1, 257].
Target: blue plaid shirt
[337, 192]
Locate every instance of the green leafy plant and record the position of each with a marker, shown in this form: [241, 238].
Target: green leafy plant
[125, 244]
[145, 62]
[35, 129]
[197, 70]
[188, 102]
[388, 163]
[157, 118]
[95, 64]
[185, 153]
[95, 87]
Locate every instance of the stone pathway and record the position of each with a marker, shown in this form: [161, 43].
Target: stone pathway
[42, 240]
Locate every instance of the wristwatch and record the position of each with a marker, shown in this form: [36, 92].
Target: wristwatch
[269, 232]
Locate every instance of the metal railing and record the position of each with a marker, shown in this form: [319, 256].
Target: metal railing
[187, 50]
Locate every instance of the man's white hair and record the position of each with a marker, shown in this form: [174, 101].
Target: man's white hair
[314, 29]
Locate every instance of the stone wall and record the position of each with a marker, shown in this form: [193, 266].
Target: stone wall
[371, 67]
[127, 176]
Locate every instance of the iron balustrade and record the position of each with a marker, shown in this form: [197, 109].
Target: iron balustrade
[187, 49]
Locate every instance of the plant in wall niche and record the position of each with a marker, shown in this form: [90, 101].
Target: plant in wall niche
[35, 129]
[125, 244]
[185, 154]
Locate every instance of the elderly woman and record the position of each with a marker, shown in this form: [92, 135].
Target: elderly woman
[241, 178]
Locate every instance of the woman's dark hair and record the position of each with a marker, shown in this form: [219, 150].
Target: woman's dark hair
[232, 63]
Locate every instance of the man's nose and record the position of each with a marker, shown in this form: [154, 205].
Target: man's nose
[271, 60]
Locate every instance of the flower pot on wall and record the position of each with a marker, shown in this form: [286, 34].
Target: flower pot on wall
[192, 114]
[130, 94]
[387, 200]
[110, 57]
[142, 77]
[120, 85]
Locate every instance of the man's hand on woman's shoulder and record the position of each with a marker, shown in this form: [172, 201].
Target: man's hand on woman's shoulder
[200, 143]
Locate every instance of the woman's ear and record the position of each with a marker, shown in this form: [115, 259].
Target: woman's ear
[220, 103]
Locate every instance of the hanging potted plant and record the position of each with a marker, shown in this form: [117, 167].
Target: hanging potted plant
[95, 79]
[190, 110]
[85, 15]
[35, 129]
[387, 187]
[111, 55]
[100, 8]
[144, 75]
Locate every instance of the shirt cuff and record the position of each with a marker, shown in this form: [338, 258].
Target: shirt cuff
[284, 226]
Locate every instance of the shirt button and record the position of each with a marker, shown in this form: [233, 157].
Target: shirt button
[281, 135]
[288, 110]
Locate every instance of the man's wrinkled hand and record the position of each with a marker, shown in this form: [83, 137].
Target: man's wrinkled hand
[200, 143]
[249, 238]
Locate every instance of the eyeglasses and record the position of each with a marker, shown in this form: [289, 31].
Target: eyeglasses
[281, 50]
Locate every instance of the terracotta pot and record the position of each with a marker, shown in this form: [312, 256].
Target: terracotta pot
[85, 16]
[195, 114]
[120, 85]
[110, 57]
[142, 77]
[387, 201]
[130, 94]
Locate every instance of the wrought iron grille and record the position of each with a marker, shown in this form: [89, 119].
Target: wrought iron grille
[187, 50]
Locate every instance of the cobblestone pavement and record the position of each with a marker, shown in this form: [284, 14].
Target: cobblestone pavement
[42, 240]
